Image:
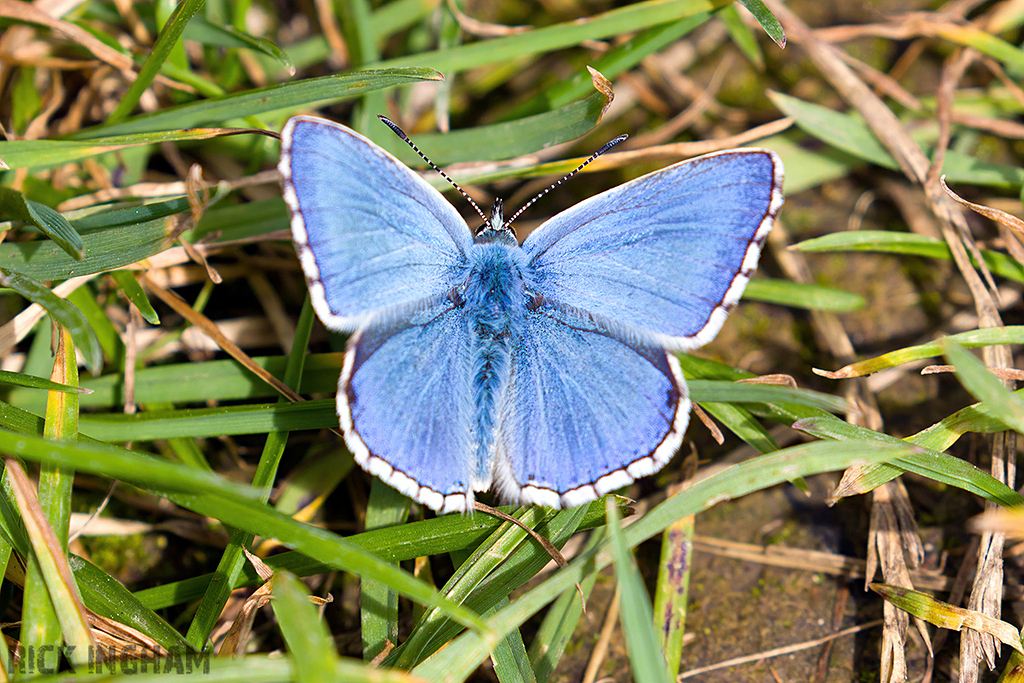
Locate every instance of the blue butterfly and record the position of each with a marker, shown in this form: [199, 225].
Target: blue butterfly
[544, 370]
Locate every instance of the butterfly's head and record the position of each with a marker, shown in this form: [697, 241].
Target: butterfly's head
[495, 229]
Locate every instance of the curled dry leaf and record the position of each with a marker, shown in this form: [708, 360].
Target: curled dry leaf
[997, 215]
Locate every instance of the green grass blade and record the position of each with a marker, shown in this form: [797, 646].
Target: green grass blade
[205, 32]
[305, 94]
[106, 596]
[702, 390]
[168, 38]
[611, 64]
[984, 386]
[232, 562]
[851, 135]
[555, 632]
[767, 20]
[63, 312]
[378, 604]
[635, 611]
[440, 535]
[236, 506]
[1011, 334]
[802, 295]
[133, 290]
[634, 17]
[505, 140]
[309, 644]
[939, 467]
[907, 243]
[458, 660]
[742, 35]
[15, 206]
[17, 379]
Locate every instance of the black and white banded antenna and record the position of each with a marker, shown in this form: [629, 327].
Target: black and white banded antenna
[401, 133]
[607, 146]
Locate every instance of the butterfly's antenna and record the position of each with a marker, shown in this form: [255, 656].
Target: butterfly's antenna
[579, 168]
[401, 133]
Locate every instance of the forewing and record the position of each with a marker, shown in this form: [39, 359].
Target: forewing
[405, 405]
[584, 412]
[371, 234]
[668, 254]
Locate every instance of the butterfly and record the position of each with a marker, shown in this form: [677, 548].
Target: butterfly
[544, 370]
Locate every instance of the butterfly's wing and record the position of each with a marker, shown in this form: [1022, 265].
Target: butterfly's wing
[372, 235]
[585, 412]
[668, 254]
[405, 403]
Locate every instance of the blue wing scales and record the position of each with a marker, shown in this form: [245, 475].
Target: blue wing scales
[584, 412]
[405, 404]
[668, 254]
[372, 236]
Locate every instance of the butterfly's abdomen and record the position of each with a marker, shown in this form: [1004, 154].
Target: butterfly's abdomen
[495, 300]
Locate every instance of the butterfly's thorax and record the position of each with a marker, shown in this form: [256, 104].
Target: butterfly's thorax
[495, 298]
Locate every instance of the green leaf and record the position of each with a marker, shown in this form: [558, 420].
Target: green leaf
[461, 657]
[767, 20]
[634, 17]
[309, 644]
[106, 250]
[906, 243]
[635, 609]
[985, 386]
[205, 32]
[308, 93]
[237, 506]
[504, 140]
[38, 154]
[742, 34]
[14, 206]
[133, 290]
[106, 596]
[166, 41]
[1010, 334]
[851, 135]
[393, 544]
[63, 312]
[17, 379]
[940, 467]
[801, 295]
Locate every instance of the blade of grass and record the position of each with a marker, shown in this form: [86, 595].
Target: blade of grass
[136, 294]
[985, 386]
[309, 643]
[66, 315]
[634, 17]
[52, 613]
[635, 612]
[673, 590]
[1011, 334]
[17, 379]
[308, 93]
[15, 206]
[106, 596]
[234, 505]
[940, 467]
[907, 243]
[767, 20]
[394, 544]
[461, 657]
[169, 36]
[802, 295]
[233, 560]
[378, 604]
